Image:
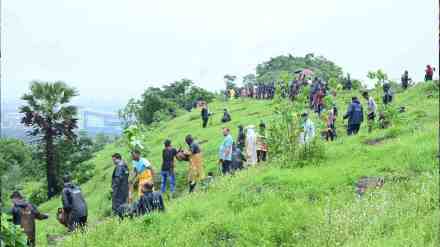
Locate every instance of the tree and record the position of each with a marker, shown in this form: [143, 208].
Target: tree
[271, 70]
[249, 80]
[48, 113]
[230, 81]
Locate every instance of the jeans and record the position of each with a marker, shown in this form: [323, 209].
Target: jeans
[226, 166]
[165, 175]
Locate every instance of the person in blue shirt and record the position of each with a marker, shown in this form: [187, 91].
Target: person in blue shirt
[225, 151]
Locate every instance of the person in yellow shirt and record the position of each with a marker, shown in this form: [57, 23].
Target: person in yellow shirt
[142, 170]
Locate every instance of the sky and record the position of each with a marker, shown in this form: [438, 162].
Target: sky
[112, 50]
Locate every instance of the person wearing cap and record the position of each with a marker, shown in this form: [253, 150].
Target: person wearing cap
[24, 214]
[74, 205]
[355, 115]
[308, 129]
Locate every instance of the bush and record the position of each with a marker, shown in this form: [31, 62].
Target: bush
[10, 234]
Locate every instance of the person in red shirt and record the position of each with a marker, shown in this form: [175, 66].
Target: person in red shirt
[429, 72]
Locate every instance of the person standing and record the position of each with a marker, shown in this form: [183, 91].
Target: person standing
[205, 115]
[251, 145]
[355, 115]
[405, 80]
[195, 171]
[74, 205]
[142, 170]
[119, 183]
[168, 160]
[261, 143]
[24, 214]
[387, 93]
[331, 126]
[429, 72]
[371, 107]
[308, 129]
[225, 151]
[241, 138]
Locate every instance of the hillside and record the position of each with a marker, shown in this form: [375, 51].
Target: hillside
[272, 206]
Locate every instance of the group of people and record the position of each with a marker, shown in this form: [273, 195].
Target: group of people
[258, 91]
[249, 148]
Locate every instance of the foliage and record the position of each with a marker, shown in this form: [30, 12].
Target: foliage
[10, 234]
[249, 80]
[308, 206]
[271, 70]
[48, 113]
[378, 75]
[230, 81]
[285, 129]
[160, 104]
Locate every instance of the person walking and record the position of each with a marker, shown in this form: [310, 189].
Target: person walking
[371, 114]
[24, 215]
[355, 116]
[119, 184]
[168, 160]
[225, 151]
[74, 205]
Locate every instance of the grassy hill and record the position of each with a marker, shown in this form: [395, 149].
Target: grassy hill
[272, 206]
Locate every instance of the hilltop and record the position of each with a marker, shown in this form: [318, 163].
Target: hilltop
[269, 205]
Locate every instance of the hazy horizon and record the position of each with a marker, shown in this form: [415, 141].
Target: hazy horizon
[111, 52]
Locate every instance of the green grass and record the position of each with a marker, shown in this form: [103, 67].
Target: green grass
[272, 206]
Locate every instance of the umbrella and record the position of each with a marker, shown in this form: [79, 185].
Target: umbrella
[307, 72]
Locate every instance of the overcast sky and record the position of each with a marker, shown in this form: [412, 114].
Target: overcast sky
[112, 50]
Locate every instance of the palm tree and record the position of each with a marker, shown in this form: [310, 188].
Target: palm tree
[48, 114]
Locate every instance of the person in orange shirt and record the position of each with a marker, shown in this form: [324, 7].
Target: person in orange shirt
[142, 170]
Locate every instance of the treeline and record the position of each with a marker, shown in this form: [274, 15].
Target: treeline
[161, 103]
[23, 165]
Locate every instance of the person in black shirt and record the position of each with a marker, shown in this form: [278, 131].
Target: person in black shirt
[74, 205]
[168, 155]
[119, 183]
[205, 115]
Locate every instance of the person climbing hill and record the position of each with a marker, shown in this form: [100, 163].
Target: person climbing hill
[355, 116]
[74, 205]
[24, 214]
